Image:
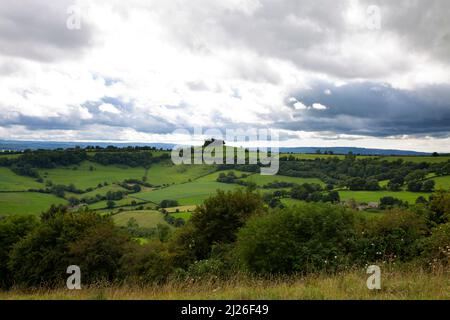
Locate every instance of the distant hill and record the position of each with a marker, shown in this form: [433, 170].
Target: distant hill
[22, 145]
[362, 151]
[33, 145]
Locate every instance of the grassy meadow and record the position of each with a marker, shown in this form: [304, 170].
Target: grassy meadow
[9, 181]
[190, 193]
[82, 177]
[145, 218]
[395, 285]
[27, 202]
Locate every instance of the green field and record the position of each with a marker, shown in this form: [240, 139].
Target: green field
[261, 180]
[374, 196]
[10, 156]
[27, 202]
[83, 178]
[9, 181]
[212, 177]
[183, 215]
[186, 194]
[167, 173]
[311, 156]
[181, 208]
[442, 182]
[101, 191]
[118, 203]
[417, 159]
[145, 218]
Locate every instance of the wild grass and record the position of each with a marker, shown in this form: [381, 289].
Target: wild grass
[395, 285]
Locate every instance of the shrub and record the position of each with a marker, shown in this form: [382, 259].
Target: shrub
[12, 230]
[394, 236]
[62, 239]
[300, 239]
[149, 263]
[168, 203]
[436, 248]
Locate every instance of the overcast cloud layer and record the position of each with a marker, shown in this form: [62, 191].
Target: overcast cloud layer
[316, 71]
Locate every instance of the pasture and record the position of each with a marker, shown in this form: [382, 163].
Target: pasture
[190, 193]
[9, 181]
[442, 182]
[84, 178]
[27, 202]
[167, 173]
[261, 180]
[145, 218]
[98, 191]
[183, 215]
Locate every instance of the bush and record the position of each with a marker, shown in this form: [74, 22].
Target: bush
[149, 263]
[63, 239]
[215, 222]
[12, 230]
[300, 239]
[168, 203]
[436, 248]
[392, 237]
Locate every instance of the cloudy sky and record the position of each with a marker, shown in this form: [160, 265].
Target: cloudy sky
[321, 73]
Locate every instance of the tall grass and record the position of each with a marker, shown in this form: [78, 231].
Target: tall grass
[404, 284]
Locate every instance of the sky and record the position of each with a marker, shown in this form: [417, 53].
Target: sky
[322, 73]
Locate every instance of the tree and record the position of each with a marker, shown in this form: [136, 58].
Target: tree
[428, 186]
[167, 203]
[393, 186]
[356, 183]
[390, 202]
[415, 186]
[12, 230]
[163, 231]
[216, 221]
[415, 175]
[67, 238]
[110, 204]
[440, 207]
[372, 185]
[98, 252]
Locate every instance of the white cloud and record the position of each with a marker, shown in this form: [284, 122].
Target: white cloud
[107, 107]
[319, 106]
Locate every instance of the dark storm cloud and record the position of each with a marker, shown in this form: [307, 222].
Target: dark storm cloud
[36, 30]
[311, 34]
[374, 110]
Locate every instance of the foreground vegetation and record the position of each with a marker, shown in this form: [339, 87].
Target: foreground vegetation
[396, 285]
